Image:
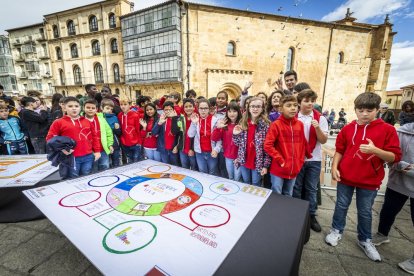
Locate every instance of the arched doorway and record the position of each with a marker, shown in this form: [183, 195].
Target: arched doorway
[232, 89]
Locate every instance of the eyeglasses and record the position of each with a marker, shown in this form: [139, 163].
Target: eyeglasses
[204, 108]
[255, 107]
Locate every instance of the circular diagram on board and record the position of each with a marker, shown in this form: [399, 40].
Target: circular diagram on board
[154, 194]
[129, 236]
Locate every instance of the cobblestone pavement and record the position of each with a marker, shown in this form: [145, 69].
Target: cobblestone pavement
[39, 248]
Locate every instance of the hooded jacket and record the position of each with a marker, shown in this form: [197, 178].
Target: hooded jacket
[399, 180]
[360, 169]
[130, 127]
[112, 119]
[194, 132]
[286, 144]
[12, 129]
[107, 137]
[80, 130]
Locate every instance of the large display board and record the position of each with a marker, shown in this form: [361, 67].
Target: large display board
[24, 170]
[150, 217]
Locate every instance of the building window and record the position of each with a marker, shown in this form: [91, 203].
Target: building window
[71, 28]
[98, 71]
[117, 91]
[114, 46]
[58, 53]
[112, 20]
[74, 50]
[117, 77]
[340, 58]
[62, 77]
[93, 23]
[290, 59]
[77, 76]
[55, 31]
[153, 70]
[96, 48]
[231, 48]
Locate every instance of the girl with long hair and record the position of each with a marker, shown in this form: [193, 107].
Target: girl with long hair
[273, 105]
[147, 123]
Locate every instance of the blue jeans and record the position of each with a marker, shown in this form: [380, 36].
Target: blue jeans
[364, 201]
[17, 147]
[133, 153]
[188, 162]
[206, 163]
[115, 158]
[83, 165]
[308, 178]
[152, 154]
[250, 176]
[102, 163]
[167, 156]
[282, 185]
[234, 173]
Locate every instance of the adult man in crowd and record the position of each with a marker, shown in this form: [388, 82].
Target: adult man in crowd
[91, 91]
[386, 115]
[291, 78]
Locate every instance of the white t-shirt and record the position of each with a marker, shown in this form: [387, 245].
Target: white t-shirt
[307, 122]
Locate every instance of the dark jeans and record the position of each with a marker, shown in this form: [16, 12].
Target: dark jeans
[308, 178]
[167, 156]
[17, 147]
[393, 203]
[222, 170]
[115, 158]
[39, 145]
[83, 165]
[133, 153]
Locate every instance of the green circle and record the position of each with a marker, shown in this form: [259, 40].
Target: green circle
[126, 252]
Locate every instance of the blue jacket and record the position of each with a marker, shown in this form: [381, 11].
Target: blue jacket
[12, 129]
[159, 130]
[57, 157]
[112, 119]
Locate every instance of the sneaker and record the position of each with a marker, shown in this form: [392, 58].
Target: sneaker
[379, 239]
[408, 265]
[315, 224]
[370, 250]
[333, 237]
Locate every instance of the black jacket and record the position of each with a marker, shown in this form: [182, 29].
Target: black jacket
[57, 157]
[37, 124]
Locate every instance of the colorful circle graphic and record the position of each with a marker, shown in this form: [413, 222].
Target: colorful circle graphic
[154, 194]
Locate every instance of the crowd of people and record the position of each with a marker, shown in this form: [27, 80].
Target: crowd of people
[275, 141]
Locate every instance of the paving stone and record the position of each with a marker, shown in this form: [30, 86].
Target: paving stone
[32, 253]
[365, 267]
[91, 271]
[393, 232]
[3, 225]
[327, 203]
[406, 228]
[67, 261]
[40, 224]
[396, 251]
[317, 242]
[12, 237]
[320, 263]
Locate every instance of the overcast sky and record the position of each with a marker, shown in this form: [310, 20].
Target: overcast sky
[17, 13]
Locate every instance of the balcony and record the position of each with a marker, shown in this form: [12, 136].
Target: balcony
[44, 56]
[20, 58]
[17, 42]
[22, 75]
[46, 75]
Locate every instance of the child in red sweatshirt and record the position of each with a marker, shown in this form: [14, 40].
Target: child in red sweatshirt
[131, 137]
[286, 144]
[81, 131]
[362, 147]
[224, 132]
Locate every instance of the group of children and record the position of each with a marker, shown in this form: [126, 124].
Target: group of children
[277, 139]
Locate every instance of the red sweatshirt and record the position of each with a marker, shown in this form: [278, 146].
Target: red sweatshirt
[286, 144]
[80, 130]
[97, 127]
[226, 135]
[130, 128]
[365, 170]
[148, 140]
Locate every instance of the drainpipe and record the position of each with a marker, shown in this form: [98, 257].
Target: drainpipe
[327, 65]
[188, 47]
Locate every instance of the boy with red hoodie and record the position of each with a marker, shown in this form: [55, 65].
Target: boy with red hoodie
[131, 137]
[82, 132]
[286, 144]
[362, 147]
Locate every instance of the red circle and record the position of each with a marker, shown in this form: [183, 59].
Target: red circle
[215, 226]
[60, 201]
